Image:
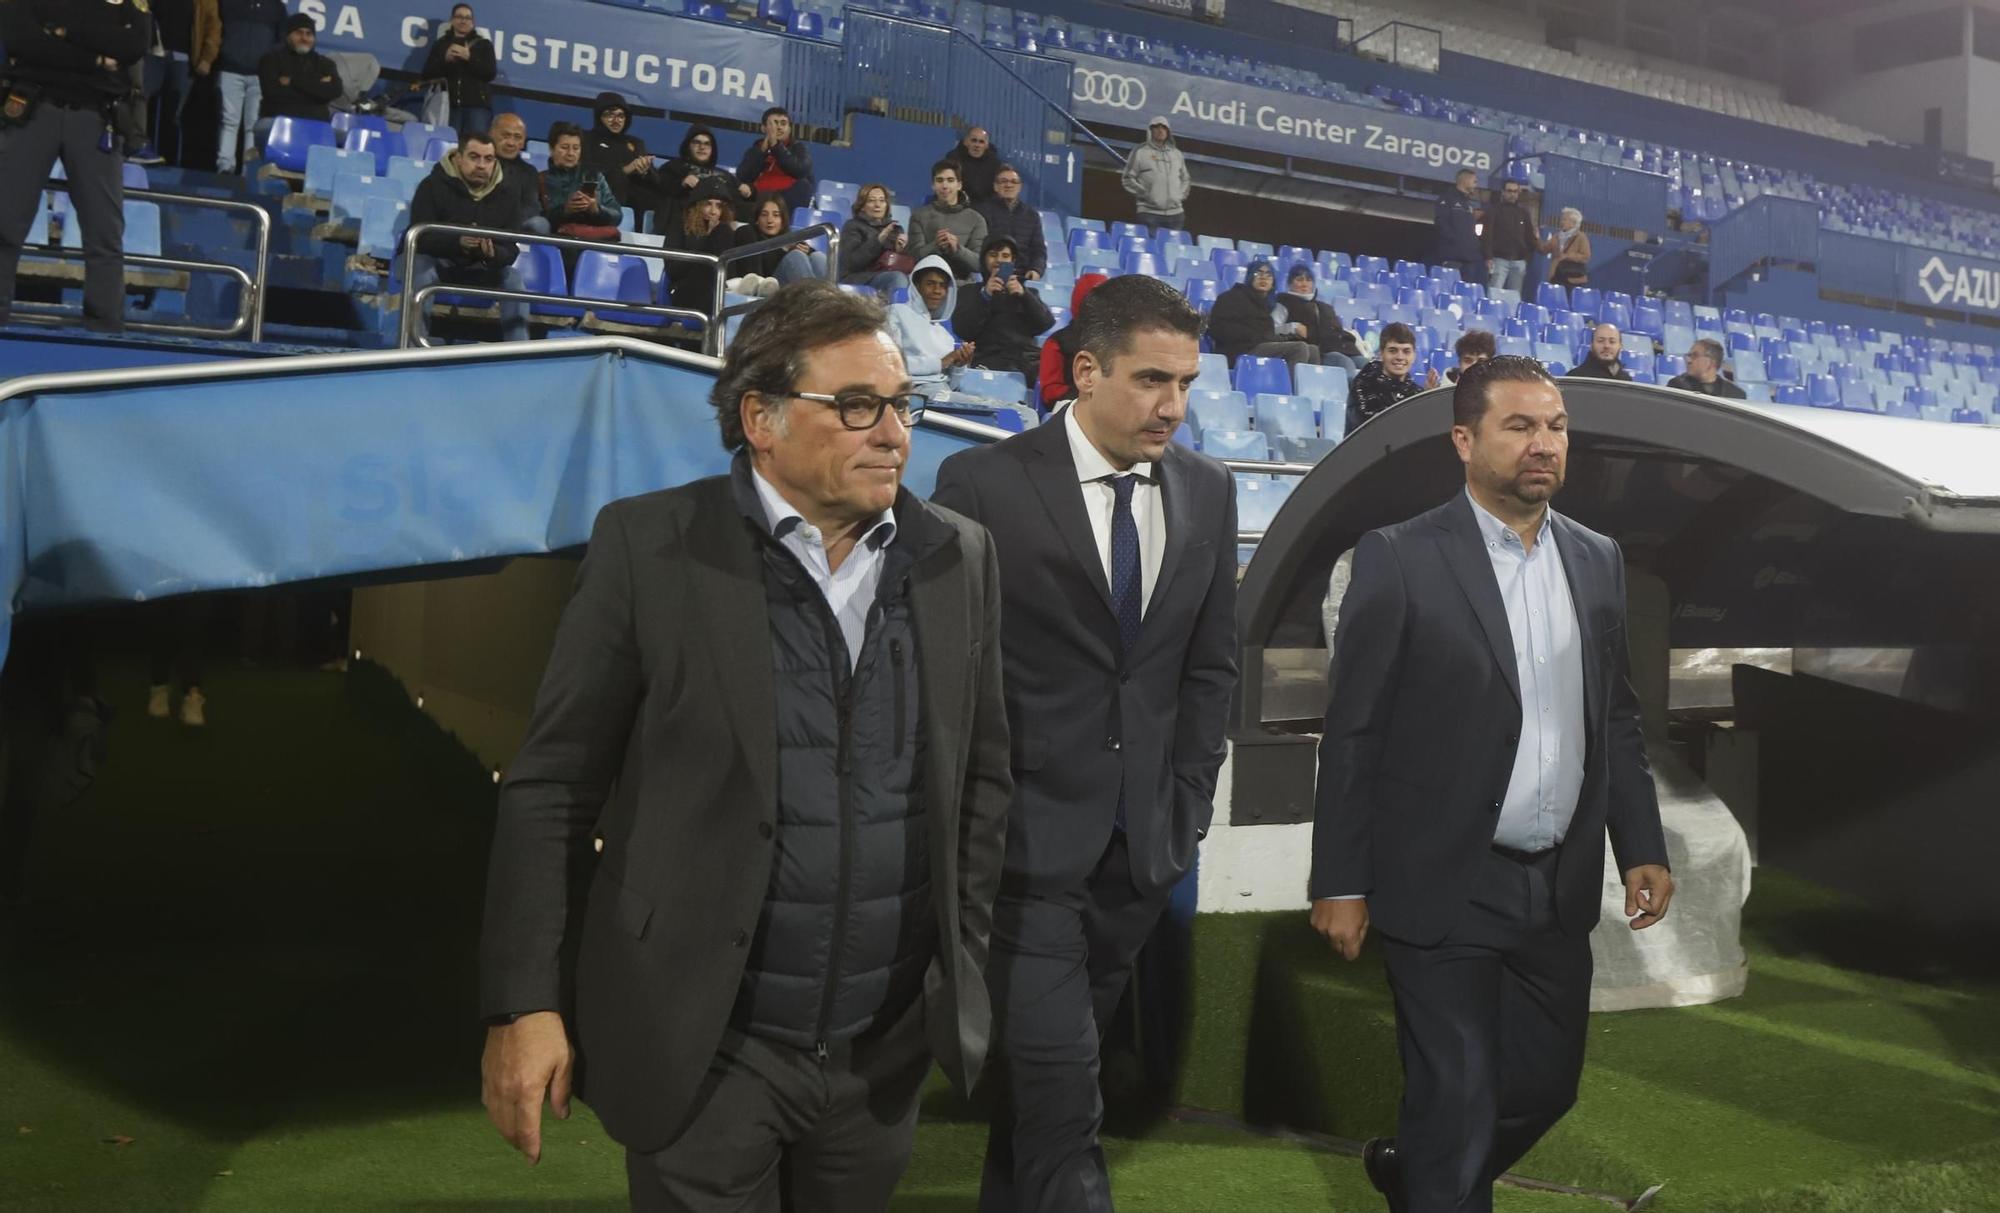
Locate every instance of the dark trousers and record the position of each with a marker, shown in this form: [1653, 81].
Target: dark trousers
[1490, 1023]
[1293, 352]
[1058, 967]
[774, 1129]
[96, 190]
[1468, 271]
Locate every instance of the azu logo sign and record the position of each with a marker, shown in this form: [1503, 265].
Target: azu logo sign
[1223, 111]
[1958, 283]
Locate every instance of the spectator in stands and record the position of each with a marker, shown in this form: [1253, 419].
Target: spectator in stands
[462, 59]
[1245, 321]
[1509, 239]
[763, 274]
[1003, 320]
[246, 29]
[978, 164]
[947, 227]
[1602, 361]
[1006, 215]
[178, 22]
[1156, 175]
[574, 200]
[1324, 331]
[697, 161]
[296, 81]
[1387, 380]
[1472, 349]
[510, 139]
[611, 149]
[873, 244]
[777, 163]
[1704, 372]
[1059, 351]
[1456, 220]
[60, 82]
[464, 189]
[923, 330]
[706, 227]
[1568, 249]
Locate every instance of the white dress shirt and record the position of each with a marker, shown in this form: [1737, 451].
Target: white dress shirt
[1094, 472]
[1548, 661]
[849, 590]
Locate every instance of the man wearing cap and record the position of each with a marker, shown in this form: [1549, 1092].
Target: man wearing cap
[1157, 178]
[296, 81]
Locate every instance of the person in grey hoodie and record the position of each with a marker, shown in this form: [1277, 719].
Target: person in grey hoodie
[922, 327]
[947, 227]
[1156, 175]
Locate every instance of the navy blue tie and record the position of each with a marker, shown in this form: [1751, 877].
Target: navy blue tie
[1125, 586]
[1125, 583]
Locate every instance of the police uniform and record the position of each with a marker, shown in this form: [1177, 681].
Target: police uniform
[65, 69]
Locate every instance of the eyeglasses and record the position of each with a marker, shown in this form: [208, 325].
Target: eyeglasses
[1006, 181]
[863, 410]
[701, 143]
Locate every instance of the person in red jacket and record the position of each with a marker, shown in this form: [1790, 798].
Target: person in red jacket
[1060, 349]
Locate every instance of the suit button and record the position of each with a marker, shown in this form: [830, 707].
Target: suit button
[742, 938]
[1496, 806]
[764, 829]
[1110, 743]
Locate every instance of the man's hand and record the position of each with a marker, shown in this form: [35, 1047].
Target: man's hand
[524, 1061]
[1302, 331]
[1344, 922]
[1014, 286]
[1431, 377]
[285, 80]
[960, 356]
[638, 164]
[1648, 889]
[901, 242]
[947, 241]
[457, 50]
[202, 68]
[690, 181]
[745, 190]
[994, 285]
[1032, 275]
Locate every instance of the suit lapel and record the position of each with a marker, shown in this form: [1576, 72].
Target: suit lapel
[1174, 489]
[1465, 553]
[1585, 591]
[1052, 471]
[727, 583]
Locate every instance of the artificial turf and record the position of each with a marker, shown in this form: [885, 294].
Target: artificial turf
[244, 980]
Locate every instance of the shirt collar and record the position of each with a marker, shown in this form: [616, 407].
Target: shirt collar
[1493, 531]
[782, 519]
[1090, 462]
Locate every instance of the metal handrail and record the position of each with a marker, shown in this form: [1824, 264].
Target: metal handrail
[987, 51]
[412, 301]
[253, 286]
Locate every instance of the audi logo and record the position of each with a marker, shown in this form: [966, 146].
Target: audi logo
[1104, 88]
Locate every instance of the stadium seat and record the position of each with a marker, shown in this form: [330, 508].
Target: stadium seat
[807, 25]
[776, 12]
[1552, 295]
[142, 227]
[1790, 393]
[383, 220]
[615, 278]
[437, 147]
[1327, 384]
[1822, 392]
[324, 162]
[1260, 376]
[291, 140]
[1782, 368]
[542, 270]
[1210, 410]
[1201, 292]
[1304, 448]
[1922, 397]
[1235, 444]
[1585, 300]
[1214, 374]
[1000, 385]
[1286, 416]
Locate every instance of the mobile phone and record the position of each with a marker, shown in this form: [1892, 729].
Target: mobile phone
[589, 191]
[1004, 271]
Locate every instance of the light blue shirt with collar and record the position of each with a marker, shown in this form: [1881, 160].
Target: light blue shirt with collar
[850, 589]
[1548, 659]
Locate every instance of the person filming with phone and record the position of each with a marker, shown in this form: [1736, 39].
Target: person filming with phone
[576, 200]
[1003, 319]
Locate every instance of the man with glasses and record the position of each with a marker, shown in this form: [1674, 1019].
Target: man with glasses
[746, 857]
[1009, 217]
[1704, 372]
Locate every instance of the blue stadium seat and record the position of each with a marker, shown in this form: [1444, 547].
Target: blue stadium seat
[418, 135]
[1552, 295]
[1000, 385]
[1922, 397]
[1304, 448]
[1142, 263]
[1235, 444]
[291, 140]
[1648, 317]
[1260, 376]
[324, 162]
[1122, 230]
[1211, 410]
[345, 126]
[1782, 368]
[1184, 435]
[1585, 299]
[1326, 384]
[807, 25]
[142, 227]
[408, 173]
[1083, 239]
[1214, 374]
[615, 278]
[1286, 417]
[1821, 391]
[776, 12]
[351, 192]
[1201, 292]
[1253, 249]
[1790, 393]
[1968, 416]
[1226, 259]
[380, 144]
[383, 220]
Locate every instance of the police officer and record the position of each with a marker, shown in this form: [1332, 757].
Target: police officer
[65, 69]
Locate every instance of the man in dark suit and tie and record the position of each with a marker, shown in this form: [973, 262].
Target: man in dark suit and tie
[1482, 737]
[1118, 564]
[747, 854]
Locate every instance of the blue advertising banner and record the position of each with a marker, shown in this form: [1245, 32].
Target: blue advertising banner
[578, 48]
[1222, 111]
[1947, 280]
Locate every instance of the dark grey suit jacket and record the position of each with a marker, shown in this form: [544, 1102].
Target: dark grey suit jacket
[655, 732]
[1425, 714]
[1082, 716]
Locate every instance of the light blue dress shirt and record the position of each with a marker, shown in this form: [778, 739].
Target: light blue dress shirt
[1548, 657]
[850, 589]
